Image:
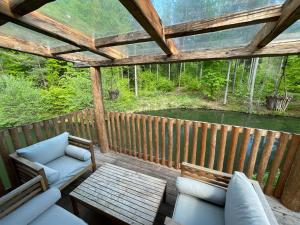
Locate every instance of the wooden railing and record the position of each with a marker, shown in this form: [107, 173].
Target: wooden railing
[264, 155]
[261, 154]
[79, 123]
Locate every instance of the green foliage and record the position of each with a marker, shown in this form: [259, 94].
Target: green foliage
[293, 74]
[190, 82]
[212, 84]
[20, 101]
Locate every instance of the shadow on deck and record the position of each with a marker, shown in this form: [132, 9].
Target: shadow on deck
[283, 215]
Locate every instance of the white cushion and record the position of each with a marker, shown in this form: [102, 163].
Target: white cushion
[30, 210]
[56, 215]
[201, 190]
[242, 203]
[51, 174]
[78, 153]
[190, 210]
[45, 151]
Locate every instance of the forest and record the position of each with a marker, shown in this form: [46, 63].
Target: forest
[33, 88]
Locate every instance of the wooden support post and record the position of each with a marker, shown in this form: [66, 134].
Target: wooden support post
[99, 109]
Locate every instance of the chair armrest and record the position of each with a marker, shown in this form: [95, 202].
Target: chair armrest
[86, 144]
[169, 221]
[20, 195]
[27, 170]
[206, 175]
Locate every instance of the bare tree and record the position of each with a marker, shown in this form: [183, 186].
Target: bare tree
[252, 83]
[135, 81]
[227, 82]
[234, 74]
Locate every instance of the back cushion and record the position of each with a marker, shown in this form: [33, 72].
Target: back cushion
[242, 203]
[46, 151]
[201, 190]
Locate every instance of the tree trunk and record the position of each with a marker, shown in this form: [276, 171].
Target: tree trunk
[227, 82]
[243, 71]
[180, 72]
[282, 75]
[135, 81]
[156, 72]
[234, 75]
[169, 71]
[252, 83]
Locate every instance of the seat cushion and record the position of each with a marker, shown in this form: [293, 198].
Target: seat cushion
[201, 190]
[57, 215]
[190, 210]
[30, 210]
[242, 203]
[51, 174]
[46, 151]
[78, 153]
[67, 168]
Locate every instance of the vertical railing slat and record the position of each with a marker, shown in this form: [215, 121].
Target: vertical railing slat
[114, 133]
[138, 122]
[150, 119]
[194, 142]
[203, 143]
[123, 133]
[283, 140]
[145, 148]
[224, 132]
[212, 149]
[119, 138]
[253, 154]
[128, 132]
[232, 150]
[170, 142]
[109, 131]
[156, 139]
[37, 131]
[133, 134]
[15, 137]
[186, 140]
[265, 156]
[163, 141]
[178, 137]
[27, 133]
[243, 151]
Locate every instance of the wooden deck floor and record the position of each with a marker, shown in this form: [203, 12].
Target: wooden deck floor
[284, 216]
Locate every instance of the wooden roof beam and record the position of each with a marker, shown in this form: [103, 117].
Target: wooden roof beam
[22, 7]
[274, 49]
[32, 48]
[290, 13]
[144, 12]
[47, 26]
[266, 14]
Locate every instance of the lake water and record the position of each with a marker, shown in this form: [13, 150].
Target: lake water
[279, 123]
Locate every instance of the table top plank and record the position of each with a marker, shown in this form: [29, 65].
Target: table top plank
[129, 196]
[125, 194]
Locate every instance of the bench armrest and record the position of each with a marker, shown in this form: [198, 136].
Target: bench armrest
[205, 175]
[20, 195]
[86, 144]
[27, 170]
[169, 221]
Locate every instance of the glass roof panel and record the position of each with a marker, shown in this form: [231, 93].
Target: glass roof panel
[16, 31]
[291, 33]
[146, 48]
[180, 11]
[96, 18]
[221, 39]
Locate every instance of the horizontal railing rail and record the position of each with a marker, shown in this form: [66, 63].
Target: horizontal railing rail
[264, 155]
[80, 123]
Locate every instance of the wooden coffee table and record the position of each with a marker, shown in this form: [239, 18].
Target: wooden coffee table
[123, 194]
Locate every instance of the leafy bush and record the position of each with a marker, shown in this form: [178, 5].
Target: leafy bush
[212, 84]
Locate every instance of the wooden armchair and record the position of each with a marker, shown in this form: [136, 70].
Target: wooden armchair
[20, 195]
[27, 170]
[220, 180]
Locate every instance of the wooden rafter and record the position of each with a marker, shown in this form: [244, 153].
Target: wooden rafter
[22, 7]
[290, 13]
[47, 26]
[274, 49]
[266, 14]
[144, 12]
[32, 48]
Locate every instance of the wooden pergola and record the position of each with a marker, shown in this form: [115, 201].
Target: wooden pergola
[276, 19]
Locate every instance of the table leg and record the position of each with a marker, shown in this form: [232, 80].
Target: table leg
[75, 206]
[165, 196]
